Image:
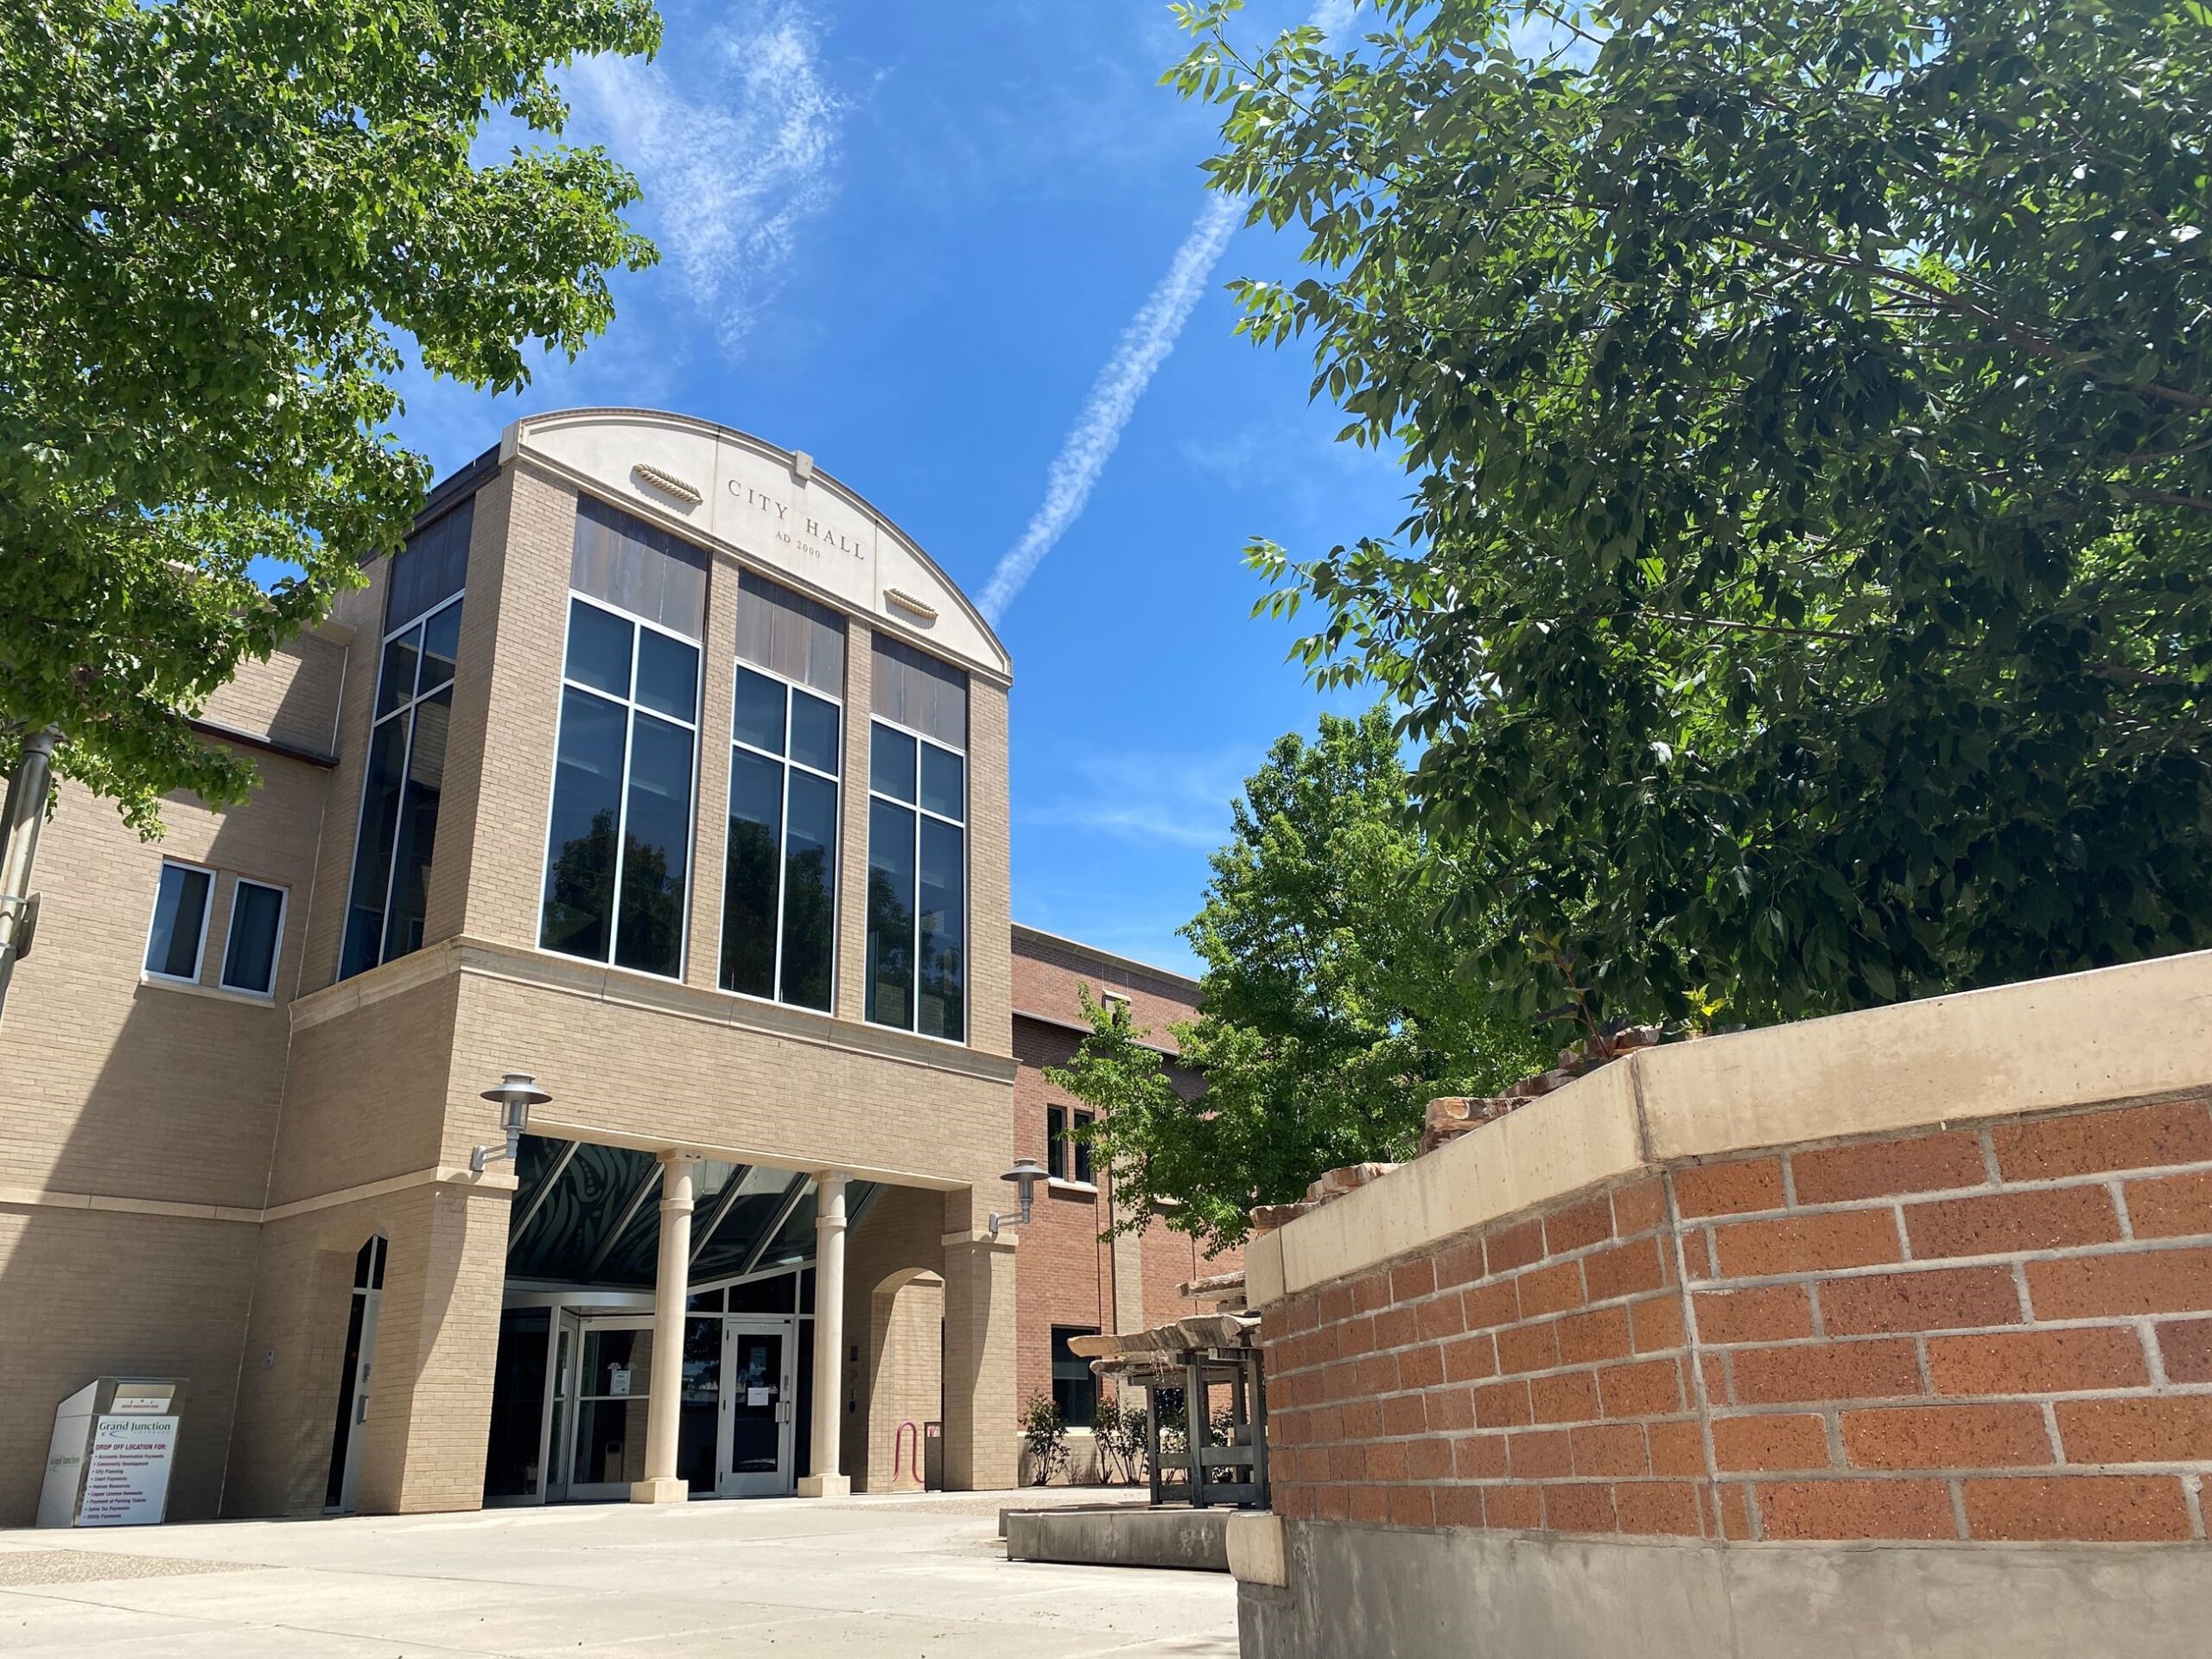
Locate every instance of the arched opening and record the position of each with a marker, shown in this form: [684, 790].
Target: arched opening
[340, 1491]
[905, 1378]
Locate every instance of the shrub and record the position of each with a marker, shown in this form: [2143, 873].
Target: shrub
[1044, 1437]
[1119, 1431]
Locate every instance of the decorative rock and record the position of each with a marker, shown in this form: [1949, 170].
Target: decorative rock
[1335, 1182]
[1451, 1116]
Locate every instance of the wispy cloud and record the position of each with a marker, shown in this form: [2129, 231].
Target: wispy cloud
[1137, 356]
[733, 136]
[1150, 798]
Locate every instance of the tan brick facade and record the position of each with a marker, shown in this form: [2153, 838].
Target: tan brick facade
[189, 1174]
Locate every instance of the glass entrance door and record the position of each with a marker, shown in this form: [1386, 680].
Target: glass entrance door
[568, 1339]
[759, 1364]
[613, 1381]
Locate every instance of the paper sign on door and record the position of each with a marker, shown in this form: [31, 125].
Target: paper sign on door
[757, 1397]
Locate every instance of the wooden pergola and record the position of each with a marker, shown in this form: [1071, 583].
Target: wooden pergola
[1193, 1354]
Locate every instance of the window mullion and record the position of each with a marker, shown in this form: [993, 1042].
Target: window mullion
[783, 859]
[914, 952]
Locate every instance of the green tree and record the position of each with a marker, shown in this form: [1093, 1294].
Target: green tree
[1331, 1011]
[1806, 590]
[217, 219]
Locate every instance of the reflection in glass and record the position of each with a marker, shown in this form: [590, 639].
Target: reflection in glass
[668, 675]
[250, 953]
[656, 847]
[380, 795]
[703, 1392]
[759, 716]
[587, 800]
[814, 732]
[749, 875]
[810, 886]
[399, 795]
[755, 1437]
[944, 788]
[890, 913]
[891, 763]
[418, 825]
[179, 918]
[599, 648]
[942, 967]
[440, 647]
[396, 679]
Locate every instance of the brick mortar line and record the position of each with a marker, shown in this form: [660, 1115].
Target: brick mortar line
[2142, 1325]
[1792, 1207]
[1729, 1411]
[2100, 1250]
[1749, 1478]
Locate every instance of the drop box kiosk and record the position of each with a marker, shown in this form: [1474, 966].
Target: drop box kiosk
[114, 1443]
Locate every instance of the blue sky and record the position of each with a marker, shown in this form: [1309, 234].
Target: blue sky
[911, 241]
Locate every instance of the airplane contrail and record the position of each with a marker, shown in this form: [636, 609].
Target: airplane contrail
[1143, 347]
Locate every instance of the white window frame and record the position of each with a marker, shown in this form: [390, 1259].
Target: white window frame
[415, 698]
[207, 914]
[238, 884]
[912, 1028]
[631, 708]
[1072, 1181]
[783, 841]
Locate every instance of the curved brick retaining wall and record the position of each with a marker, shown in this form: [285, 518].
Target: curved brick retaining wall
[1943, 1387]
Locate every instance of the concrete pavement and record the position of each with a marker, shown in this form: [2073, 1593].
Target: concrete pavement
[867, 1577]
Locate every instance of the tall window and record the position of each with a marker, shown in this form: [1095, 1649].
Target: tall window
[1075, 1386]
[918, 844]
[179, 932]
[779, 882]
[1067, 1157]
[619, 850]
[407, 745]
[257, 935]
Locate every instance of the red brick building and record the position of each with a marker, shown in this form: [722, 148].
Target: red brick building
[1072, 1281]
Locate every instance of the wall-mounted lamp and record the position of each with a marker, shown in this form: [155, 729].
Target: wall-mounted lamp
[517, 1093]
[1025, 1175]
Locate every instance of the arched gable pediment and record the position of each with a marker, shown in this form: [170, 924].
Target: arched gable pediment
[773, 508]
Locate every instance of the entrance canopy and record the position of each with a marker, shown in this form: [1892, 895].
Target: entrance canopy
[585, 1214]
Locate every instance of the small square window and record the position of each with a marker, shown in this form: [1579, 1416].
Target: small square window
[256, 938]
[180, 930]
[1117, 1007]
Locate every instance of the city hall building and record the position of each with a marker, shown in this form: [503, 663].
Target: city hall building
[663, 780]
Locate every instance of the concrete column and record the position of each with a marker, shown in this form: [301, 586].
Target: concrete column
[671, 1290]
[827, 1481]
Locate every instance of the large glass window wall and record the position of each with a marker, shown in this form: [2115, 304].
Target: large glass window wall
[780, 886]
[619, 847]
[918, 845]
[389, 896]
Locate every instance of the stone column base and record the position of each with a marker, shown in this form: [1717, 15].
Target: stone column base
[826, 1485]
[667, 1489]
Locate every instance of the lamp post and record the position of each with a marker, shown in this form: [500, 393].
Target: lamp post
[1025, 1175]
[27, 788]
[517, 1093]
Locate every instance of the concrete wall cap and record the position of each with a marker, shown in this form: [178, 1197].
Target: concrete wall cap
[1255, 1549]
[2109, 1034]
